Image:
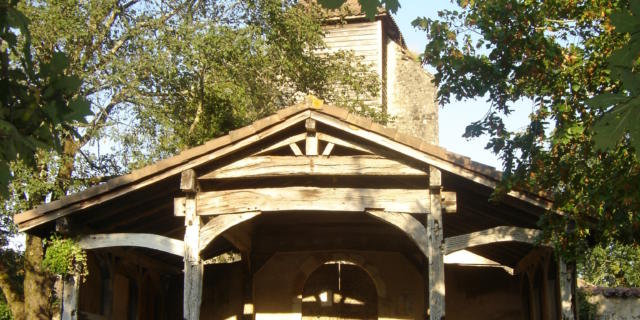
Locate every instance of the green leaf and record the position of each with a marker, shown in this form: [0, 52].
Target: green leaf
[606, 100]
[616, 122]
[331, 4]
[624, 22]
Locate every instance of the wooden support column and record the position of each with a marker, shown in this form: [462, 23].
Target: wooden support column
[436, 255]
[568, 297]
[70, 294]
[193, 266]
[311, 142]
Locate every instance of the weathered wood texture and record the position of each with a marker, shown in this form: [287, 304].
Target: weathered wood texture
[493, 235]
[295, 149]
[311, 141]
[407, 224]
[219, 224]
[364, 39]
[282, 166]
[193, 266]
[284, 142]
[143, 240]
[188, 181]
[70, 295]
[424, 152]
[343, 143]
[151, 174]
[449, 202]
[312, 199]
[567, 297]
[327, 149]
[436, 256]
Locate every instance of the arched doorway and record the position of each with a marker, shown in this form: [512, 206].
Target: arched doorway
[339, 290]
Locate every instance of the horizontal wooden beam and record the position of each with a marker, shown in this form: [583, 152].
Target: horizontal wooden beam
[312, 199]
[143, 240]
[283, 166]
[493, 235]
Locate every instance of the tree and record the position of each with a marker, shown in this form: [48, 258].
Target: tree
[40, 108]
[555, 55]
[162, 76]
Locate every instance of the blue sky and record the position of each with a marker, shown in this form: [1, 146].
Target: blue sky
[455, 116]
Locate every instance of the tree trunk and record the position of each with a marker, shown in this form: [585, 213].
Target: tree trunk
[14, 297]
[37, 283]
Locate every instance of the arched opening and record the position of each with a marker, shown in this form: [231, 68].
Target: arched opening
[339, 290]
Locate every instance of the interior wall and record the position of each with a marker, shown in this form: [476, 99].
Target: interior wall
[222, 296]
[279, 283]
[485, 293]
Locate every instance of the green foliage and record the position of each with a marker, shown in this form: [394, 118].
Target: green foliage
[554, 56]
[370, 7]
[613, 265]
[38, 97]
[5, 311]
[624, 64]
[586, 310]
[65, 257]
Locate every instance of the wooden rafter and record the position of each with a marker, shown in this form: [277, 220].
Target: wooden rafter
[493, 235]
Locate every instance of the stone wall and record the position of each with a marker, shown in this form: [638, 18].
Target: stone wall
[411, 96]
[279, 284]
[615, 308]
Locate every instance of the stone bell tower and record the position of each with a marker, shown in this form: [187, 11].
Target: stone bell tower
[407, 93]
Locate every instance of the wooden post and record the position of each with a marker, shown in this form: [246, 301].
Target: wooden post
[311, 142]
[70, 293]
[436, 256]
[567, 293]
[193, 266]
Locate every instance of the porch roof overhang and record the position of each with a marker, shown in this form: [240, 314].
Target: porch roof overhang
[167, 172]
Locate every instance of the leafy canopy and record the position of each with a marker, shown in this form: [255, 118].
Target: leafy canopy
[567, 62]
[39, 98]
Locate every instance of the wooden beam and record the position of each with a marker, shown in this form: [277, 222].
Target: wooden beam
[311, 141]
[327, 149]
[146, 176]
[282, 166]
[143, 240]
[436, 256]
[467, 258]
[428, 158]
[493, 235]
[343, 143]
[193, 265]
[188, 182]
[219, 224]
[312, 199]
[282, 143]
[449, 201]
[407, 224]
[567, 293]
[295, 149]
[70, 295]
